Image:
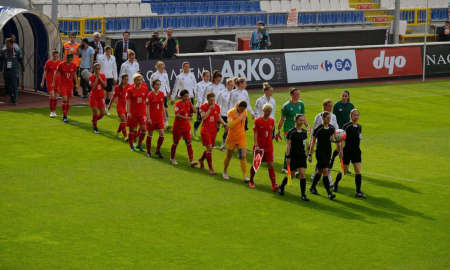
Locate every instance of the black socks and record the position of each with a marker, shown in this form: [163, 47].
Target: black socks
[303, 186]
[358, 182]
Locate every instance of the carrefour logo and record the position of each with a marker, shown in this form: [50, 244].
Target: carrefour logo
[339, 65]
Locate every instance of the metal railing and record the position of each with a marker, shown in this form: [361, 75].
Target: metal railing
[83, 27]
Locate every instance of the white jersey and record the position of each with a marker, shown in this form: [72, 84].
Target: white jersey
[318, 120]
[199, 92]
[164, 78]
[108, 66]
[130, 69]
[215, 88]
[260, 102]
[241, 95]
[184, 81]
[223, 100]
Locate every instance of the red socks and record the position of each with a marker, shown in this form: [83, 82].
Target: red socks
[53, 102]
[131, 137]
[160, 142]
[141, 137]
[94, 120]
[252, 174]
[203, 156]
[209, 160]
[148, 143]
[65, 107]
[123, 128]
[190, 151]
[173, 150]
[272, 176]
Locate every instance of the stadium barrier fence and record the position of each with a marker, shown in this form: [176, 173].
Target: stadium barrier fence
[83, 27]
[310, 65]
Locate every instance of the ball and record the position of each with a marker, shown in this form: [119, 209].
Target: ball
[339, 135]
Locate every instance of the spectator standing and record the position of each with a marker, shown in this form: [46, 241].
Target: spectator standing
[16, 45]
[121, 51]
[10, 59]
[154, 47]
[444, 32]
[98, 45]
[71, 47]
[260, 39]
[109, 68]
[170, 45]
[130, 67]
[87, 63]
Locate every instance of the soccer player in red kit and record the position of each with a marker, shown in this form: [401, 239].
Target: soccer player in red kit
[97, 82]
[156, 115]
[210, 115]
[68, 74]
[120, 92]
[49, 72]
[181, 127]
[136, 95]
[263, 132]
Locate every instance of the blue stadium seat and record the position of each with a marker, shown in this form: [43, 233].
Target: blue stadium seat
[254, 6]
[180, 8]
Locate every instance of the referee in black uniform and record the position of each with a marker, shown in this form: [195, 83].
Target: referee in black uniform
[323, 135]
[352, 152]
[296, 154]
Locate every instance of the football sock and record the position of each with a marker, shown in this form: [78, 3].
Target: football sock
[338, 178]
[55, 102]
[252, 174]
[358, 182]
[190, 151]
[50, 104]
[303, 186]
[94, 121]
[272, 176]
[148, 143]
[285, 179]
[326, 184]
[141, 137]
[160, 142]
[316, 180]
[209, 159]
[124, 128]
[244, 167]
[173, 150]
[131, 137]
[335, 153]
[203, 156]
[64, 107]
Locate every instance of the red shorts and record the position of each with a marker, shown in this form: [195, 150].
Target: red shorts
[268, 155]
[134, 121]
[65, 91]
[208, 138]
[96, 102]
[155, 126]
[177, 134]
[121, 110]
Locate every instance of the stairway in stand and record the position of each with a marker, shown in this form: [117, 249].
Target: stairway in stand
[372, 12]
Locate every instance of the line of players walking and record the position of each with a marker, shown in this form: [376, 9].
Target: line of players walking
[145, 110]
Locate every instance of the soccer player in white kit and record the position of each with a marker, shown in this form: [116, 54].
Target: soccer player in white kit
[199, 95]
[161, 75]
[185, 81]
[223, 100]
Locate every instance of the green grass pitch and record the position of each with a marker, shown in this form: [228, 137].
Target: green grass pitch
[70, 199]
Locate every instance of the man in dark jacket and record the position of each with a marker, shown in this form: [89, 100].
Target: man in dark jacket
[121, 49]
[170, 45]
[154, 47]
[444, 32]
[98, 45]
[10, 59]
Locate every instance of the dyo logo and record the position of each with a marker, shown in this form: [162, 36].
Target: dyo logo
[389, 62]
[253, 68]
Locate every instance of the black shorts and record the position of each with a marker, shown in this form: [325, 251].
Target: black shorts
[323, 159]
[351, 156]
[199, 115]
[165, 103]
[225, 118]
[298, 162]
[109, 85]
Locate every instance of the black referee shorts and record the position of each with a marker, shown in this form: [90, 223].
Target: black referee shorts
[298, 162]
[351, 156]
[109, 85]
[323, 159]
[165, 102]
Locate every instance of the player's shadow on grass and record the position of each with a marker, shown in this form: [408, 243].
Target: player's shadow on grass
[385, 203]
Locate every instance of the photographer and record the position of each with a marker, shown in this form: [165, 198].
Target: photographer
[444, 32]
[260, 38]
[154, 47]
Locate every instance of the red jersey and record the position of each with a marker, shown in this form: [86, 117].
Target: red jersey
[50, 69]
[66, 71]
[97, 90]
[209, 125]
[121, 94]
[137, 96]
[184, 108]
[156, 103]
[264, 128]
